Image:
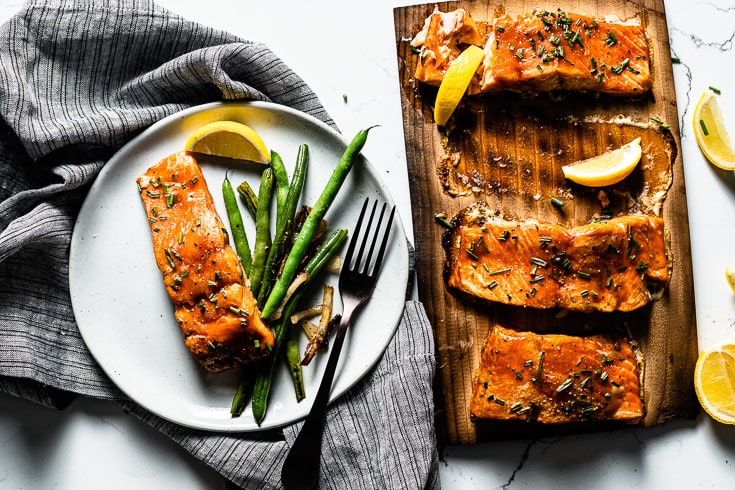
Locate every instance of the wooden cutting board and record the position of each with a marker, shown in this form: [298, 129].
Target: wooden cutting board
[508, 149]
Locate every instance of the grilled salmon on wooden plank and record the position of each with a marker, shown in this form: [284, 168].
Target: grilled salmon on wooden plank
[540, 51]
[613, 265]
[555, 379]
[214, 306]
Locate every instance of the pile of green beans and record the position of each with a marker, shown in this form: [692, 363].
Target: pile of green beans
[275, 261]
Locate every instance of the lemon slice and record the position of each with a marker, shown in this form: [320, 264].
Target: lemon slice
[607, 169]
[714, 381]
[730, 276]
[710, 132]
[455, 83]
[229, 139]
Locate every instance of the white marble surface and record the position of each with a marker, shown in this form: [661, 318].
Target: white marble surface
[93, 444]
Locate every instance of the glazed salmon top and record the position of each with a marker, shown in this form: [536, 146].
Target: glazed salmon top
[540, 51]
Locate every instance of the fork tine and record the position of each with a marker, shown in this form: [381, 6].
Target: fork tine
[386, 235]
[366, 269]
[366, 235]
[353, 241]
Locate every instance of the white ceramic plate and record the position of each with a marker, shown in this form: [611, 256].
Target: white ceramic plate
[125, 315]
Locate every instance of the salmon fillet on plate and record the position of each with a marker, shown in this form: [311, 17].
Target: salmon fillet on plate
[214, 306]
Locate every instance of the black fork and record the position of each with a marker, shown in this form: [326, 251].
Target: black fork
[356, 283]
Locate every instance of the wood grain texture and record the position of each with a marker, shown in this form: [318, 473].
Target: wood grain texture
[508, 149]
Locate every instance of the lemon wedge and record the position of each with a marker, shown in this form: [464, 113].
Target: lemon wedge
[229, 139]
[455, 83]
[714, 381]
[710, 132]
[730, 276]
[607, 169]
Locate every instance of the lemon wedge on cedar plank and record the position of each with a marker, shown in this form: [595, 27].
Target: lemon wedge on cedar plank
[455, 83]
[229, 139]
[711, 134]
[714, 381]
[607, 169]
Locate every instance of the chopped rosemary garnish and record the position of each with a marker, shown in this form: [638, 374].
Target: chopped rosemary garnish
[610, 40]
[704, 127]
[565, 385]
[715, 90]
[170, 259]
[539, 262]
[471, 254]
[557, 202]
[540, 364]
[442, 220]
[501, 271]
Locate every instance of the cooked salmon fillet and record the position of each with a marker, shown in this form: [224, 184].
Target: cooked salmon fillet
[612, 265]
[540, 51]
[443, 37]
[214, 306]
[555, 379]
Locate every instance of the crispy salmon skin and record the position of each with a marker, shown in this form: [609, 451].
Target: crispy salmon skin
[556, 379]
[618, 264]
[214, 306]
[539, 51]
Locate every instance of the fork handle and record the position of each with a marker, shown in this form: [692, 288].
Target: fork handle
[301, 467]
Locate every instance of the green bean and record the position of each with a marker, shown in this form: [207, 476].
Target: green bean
[318, 211]
[248, 196]
[293, 356]
[262, 231]
[265, 371]
[242, 396]
[242, 247]
[280, 177]
[284, 220]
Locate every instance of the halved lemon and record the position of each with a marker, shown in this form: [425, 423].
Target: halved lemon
[607, 169]
[455, 83]
[714, 381]
[229, 139]
[730, 276]
[711, 134]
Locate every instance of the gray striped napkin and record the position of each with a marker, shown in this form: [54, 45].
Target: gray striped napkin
[78, 79]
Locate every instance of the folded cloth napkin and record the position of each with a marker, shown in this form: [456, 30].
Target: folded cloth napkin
[78, 79]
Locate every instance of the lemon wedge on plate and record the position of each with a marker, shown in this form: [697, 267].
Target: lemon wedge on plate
[455, 83]
[229, 139]
[710, 132]
[714, 381]
[607, 169]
